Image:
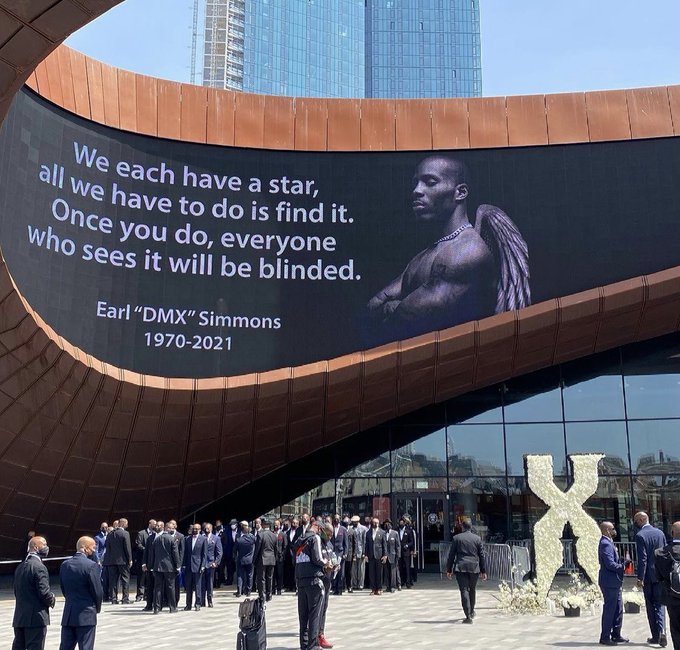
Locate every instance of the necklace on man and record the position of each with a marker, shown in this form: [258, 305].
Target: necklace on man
[454, 234]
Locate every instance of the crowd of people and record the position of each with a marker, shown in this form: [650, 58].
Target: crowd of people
[658, 575]
[265, 558]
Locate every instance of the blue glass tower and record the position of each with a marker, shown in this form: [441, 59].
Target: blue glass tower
[423, 48]
[304, 48]
[343, 48]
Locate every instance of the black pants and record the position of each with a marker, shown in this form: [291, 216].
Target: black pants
[81, 636]
[289, 572]
[29, 638]
[149, 592]
[405, 569]
[229, 570]
[164, 586]
[265, 581]
[674, 623]
[327, 586]
[339, 579]
[116, 573]
[310, 606]
[375, 569]
[278, 577]
[144, 586]
[244, 582]
[207, 587]
[390, 570]
[467, 583]
[348, 574]
[193, 582]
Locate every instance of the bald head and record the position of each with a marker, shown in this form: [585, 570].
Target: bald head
[675, 530]
[607, 529]
[641, 519]
[36, 543]
[86, 545]
[439, 188]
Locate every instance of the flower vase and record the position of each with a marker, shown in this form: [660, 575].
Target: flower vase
[571, 612]
[631, 608]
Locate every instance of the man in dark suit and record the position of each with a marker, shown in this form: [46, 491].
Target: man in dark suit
[293, 533]
[408, 545]
[466, 559]
[610, 580]
[340, 542]
[138, 560]
[117, 562]
[664, 561]
[180, 539]
[376, 551]
[265, 561]
[228, 537]
[213, 558]
[164, 561]
[193, 564]
[391, 567]
[281, 554]
[244, 555]
[33, 598]
[159, 528]
[647, 540]
[350, 558]
[82, 588]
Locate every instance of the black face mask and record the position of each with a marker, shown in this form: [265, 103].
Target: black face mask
[355, 524]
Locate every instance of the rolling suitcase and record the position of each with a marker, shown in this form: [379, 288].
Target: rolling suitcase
[252, 634]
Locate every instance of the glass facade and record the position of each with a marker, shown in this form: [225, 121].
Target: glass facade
[465, 458]
[423, 48]
[341, 48]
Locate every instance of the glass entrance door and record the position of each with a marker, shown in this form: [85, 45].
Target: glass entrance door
[429, 516]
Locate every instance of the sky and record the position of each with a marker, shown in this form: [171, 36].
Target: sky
[528, 46]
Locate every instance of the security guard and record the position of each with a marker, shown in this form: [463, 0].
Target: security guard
[309, 573]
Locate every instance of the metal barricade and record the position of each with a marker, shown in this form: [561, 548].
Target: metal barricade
[521, 564]
[499, 561]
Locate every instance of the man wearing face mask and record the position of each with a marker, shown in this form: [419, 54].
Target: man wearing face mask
[80, 584]
[213, 556]
[228, 567]
[100, 539]
[310, 568]
[610, 580]
[408, 544]
[33, 598]
[391, 567]
[117, 562]
[281, 555]
[147, 569]
[193, 564]
[351, 553]
[376, 552]
[359, 559]
[340, 543]
[293, 534]
[138, 553]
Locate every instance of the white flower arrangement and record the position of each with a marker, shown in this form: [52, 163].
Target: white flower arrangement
[578, 594]
[522, 600]
[634, 596]
[564, 507]
[573, 601]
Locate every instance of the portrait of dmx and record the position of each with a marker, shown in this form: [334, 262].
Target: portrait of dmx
[471, 271]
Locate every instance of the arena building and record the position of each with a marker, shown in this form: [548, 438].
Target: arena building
[159, 356]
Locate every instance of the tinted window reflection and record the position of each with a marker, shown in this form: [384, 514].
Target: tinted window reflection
[484, 501]
[535, 398]
[600, 398]
[612, 502]
[652, 380]
[476, 450]
[481, 406]
[423, 457]
[525, 507]
[659, 497]
[655, 446]
[363, 496]
[606, 437]
[534, 439]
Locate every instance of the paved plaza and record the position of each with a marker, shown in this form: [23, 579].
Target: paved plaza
[426, 617]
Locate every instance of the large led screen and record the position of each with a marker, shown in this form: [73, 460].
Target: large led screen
[188, 260]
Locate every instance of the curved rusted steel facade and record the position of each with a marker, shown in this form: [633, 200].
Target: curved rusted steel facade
[81, 440]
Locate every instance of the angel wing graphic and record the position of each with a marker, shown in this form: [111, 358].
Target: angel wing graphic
[511, 254]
